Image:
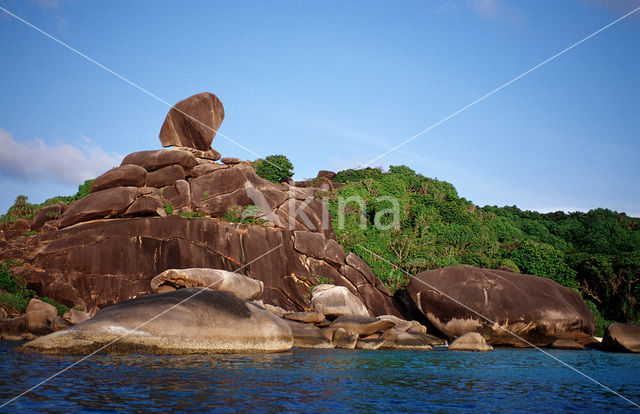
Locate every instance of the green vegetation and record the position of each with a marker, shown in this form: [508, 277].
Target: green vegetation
[59, 307]
[276, 168]
[245, 215]
[14, 294]
[595, 253]
[189, 214]
[22, 209]
[168, 207]
[324, 280]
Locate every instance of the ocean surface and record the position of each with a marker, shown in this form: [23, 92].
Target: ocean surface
[323, 381]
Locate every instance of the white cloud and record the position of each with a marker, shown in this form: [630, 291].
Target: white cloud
[487, 8]
[47, 4]
[36, 160]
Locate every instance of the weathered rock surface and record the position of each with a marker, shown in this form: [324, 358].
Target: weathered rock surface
[10, 230]
[14, 329]
[144, 206]
[193, 122]
[333, 301]
[566, 344]
[204, 169]
[208, 155]
[99, 205]
[231, 160]
[397, 339]
[371, 344]
[98, 263]
[308, 336]
[49, 226]
[209, 322]
[471, 341]
[310, 244]
[40, 318]
[178, 195]
[165, 176]
[36, 305]
[46, 214]
[622, 337]
[75, 316]
[240, 286]
[155, 159]
[344, 339]
[536, 309]
[306, 317]
[276, 310]
[59, 323]
[362, 325]
[404, 325]
[123, 176]
[329, 175]
[37, 321]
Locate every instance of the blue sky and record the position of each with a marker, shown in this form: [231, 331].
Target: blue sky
[333, 85]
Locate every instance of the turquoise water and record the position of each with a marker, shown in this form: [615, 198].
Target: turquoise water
[323, 381]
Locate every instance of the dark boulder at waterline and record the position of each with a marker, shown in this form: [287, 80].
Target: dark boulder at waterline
[536, 309]
[622, 337]
[184, 321]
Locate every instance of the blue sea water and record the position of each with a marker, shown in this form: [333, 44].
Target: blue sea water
[323, 381]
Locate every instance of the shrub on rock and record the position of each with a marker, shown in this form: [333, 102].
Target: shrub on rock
[275, 168]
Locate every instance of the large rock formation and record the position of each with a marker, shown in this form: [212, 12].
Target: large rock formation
[193, 122]
[107, 247]
[178, 208]
[180, 322]
[456, 300]
[102, 262]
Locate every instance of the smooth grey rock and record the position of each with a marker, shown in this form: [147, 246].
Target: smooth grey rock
[184, 321]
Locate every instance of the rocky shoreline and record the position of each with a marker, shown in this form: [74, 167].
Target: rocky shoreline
[156, 230]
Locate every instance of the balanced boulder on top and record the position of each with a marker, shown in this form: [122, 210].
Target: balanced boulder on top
[193, 122]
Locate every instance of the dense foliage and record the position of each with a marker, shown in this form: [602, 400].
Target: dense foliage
[14, 294]
[276, 168]
[596, 253]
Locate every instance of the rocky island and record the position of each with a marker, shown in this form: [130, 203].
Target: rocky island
[160, 259]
